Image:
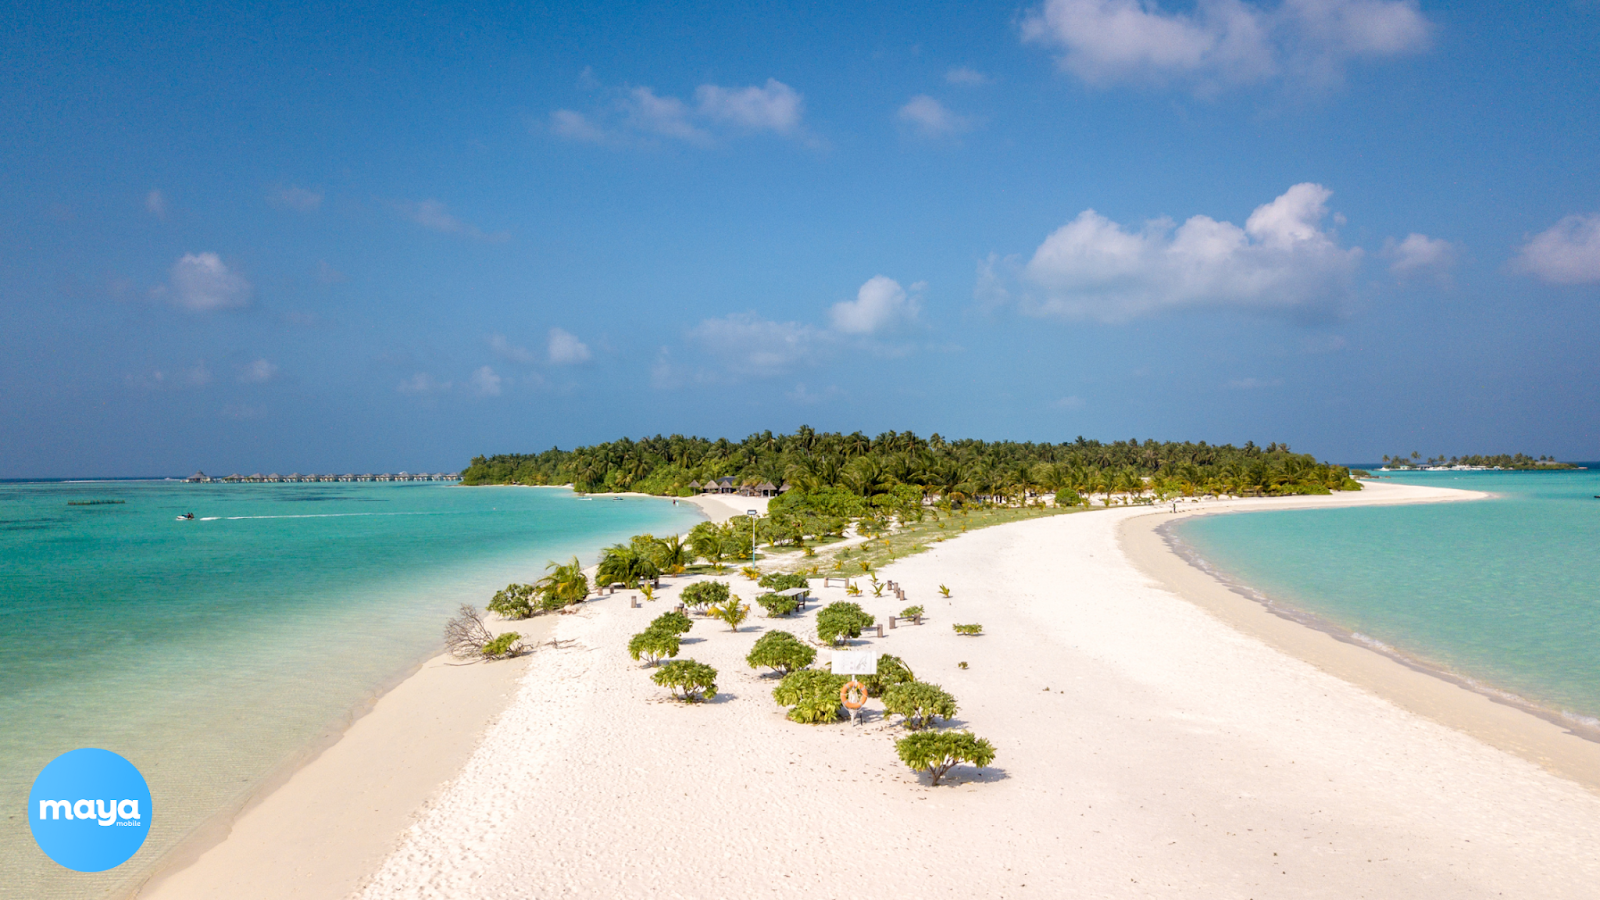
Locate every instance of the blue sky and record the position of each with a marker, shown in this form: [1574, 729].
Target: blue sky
[394, 236]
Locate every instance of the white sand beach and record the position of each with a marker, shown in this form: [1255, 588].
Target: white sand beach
[1156, 735]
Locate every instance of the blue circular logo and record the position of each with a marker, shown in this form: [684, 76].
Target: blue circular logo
[90, 810]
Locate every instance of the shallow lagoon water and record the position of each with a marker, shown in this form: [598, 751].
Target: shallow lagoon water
[212, 652]
[1503, 592]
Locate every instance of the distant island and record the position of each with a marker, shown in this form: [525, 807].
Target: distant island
[846, 474]
[1518, 462]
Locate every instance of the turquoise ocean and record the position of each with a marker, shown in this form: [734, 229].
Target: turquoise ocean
[214, 652]
[1502, 593]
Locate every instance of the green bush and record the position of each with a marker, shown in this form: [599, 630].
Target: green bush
[733, 612]
[777, 605]
[674, 622]
[515, 602]
[968, 629]
[937, 752]
[782, 581]
[690, 681]
[919, 702]
[838, 621]
[782, 652]
[503, 646]
[704, 593]
[911, 612]
[1067, 498]
[653, 644]
[892, 670]
[813, 693]
[564, 585]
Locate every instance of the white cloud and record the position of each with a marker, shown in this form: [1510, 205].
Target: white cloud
[575, 126]
[930, 118]
[1280, 261]
[1072, 402]
[774, 107]
[257, 372]
[197, 377]
[880, 304]
[295, 198]
[804, 395]
[715, 111]
[432, 215]
[1252, 384]
[750, 345]
[507, 350]
[242, 411]
[486, 382]
[1219, 44]
[155, 203]
[201, 282]
[965, 75]
[423, 384]
[1568, 252]
[566, 349]
[327, 274]
[1418, 252]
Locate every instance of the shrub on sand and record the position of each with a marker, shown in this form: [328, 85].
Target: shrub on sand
[838, 621]
[937, 752]
[777, 605]
[813, 693]
[702, 594]
[653, 645]
[919, 702]
[782, 652]
[690, 681]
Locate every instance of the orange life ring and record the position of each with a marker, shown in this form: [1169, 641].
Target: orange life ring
[853, 687]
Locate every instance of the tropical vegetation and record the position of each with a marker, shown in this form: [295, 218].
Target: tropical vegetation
[937, 752]
[919, 702]
[839, 621]
[781, 652]
[690, 681]
[813, 694]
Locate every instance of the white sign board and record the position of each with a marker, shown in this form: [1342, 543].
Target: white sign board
[752, 514]
[855, 662]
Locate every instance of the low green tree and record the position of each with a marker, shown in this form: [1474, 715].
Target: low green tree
[690, 681]
[919, 702]
[503, 646]
[911, 612]
[626, 564]
[731, 611]
[782, 652]
[674, 622]
[838, 621]
[702, 594]
[777, 604]
[892, 670]
[973, 629]
[653, 645]
[813, 694]
[937, 752]
[782, 581]
[516, 601]
[563, 585]
[1066, 498]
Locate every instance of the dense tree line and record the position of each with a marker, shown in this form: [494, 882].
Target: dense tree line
[1517, 461]
[842, 474]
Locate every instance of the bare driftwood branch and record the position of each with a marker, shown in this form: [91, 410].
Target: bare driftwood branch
[466, 637]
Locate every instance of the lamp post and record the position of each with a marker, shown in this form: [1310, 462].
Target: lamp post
[753, 516]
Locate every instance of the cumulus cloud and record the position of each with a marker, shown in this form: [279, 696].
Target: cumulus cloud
[565, 348]
[202, 282]
[715, 111]
[178, 379]
[423, 384]
[750, 345]
[880, 304]
[432, 215]
[485, 382]
[257, 372]
[296, 198]
[930, 118]
[1219, 44]
[1280, 261]
[965, 75]
[1069, 402]
[1418, 253]
[509, 351]
[1567, 252]
[155, 203]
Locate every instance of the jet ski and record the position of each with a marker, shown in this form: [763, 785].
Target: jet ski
[186, 517]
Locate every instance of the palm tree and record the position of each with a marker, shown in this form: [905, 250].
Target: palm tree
[622, 563]
[563, 586]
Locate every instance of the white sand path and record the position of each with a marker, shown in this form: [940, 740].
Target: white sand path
[1171, 756]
